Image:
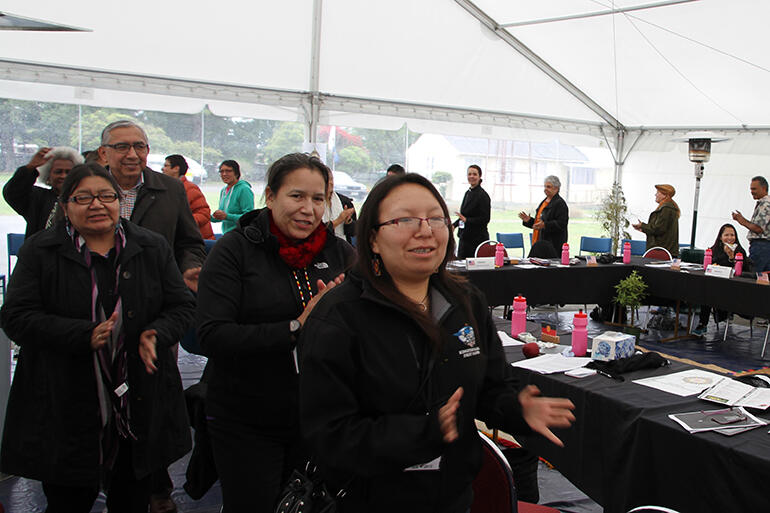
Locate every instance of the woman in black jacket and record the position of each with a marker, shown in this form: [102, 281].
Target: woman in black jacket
[473, 216]
[549, 225]
[256, 289]
[398, 361]
[96, 304]
[723, 252]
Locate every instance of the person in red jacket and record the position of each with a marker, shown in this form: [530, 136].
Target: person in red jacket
[176, 167]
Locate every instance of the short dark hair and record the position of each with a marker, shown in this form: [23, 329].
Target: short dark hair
[761, 180]
[396, 169]
[283, 166]
[476, 167]
[233, 164]
[367, 225]
[179, 161]
[76, 175]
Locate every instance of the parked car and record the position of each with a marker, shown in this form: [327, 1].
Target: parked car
[196, 174]
[344, 184]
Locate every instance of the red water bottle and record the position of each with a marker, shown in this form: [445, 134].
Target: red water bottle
[626, 252]
[738, 264]
[707, 258]
[580, 334]
[499, 254]
[519, 316]
[565, 254]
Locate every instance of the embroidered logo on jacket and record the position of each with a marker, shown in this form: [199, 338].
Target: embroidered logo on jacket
[468, 338]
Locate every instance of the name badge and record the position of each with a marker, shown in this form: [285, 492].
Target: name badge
[719, 271]
[591, 261]
[480, 263]
[431, 465]
[762, 278]
[122, 389]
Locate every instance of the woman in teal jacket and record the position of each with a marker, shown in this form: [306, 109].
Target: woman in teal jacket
[235, 199]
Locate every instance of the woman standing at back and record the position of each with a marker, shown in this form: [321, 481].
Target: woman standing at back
[473, 216]
[235, 199]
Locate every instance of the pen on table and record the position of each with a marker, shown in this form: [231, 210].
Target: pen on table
[608, 375]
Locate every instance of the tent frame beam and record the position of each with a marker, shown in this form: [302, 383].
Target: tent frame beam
[539, 62]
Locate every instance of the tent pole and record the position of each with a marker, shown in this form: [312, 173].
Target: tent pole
[315, 69]
[620, 140]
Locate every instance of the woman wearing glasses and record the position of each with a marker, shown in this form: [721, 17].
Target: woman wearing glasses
[95, 304]
[256, 290]
[235, 199]
[398, 361]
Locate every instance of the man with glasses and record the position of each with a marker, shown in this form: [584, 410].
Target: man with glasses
[159, 203]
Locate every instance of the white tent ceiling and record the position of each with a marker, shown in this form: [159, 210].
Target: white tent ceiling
[696, 64]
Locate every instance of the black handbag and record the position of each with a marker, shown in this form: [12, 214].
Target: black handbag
[306, 493]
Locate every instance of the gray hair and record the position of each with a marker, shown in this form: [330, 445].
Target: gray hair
[58, 153]
[553, 180]
[123, 123]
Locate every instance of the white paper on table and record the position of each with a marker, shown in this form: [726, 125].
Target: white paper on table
[552, 363]
[689, 382]
[508, 341]
[659, 264]
[527, 266]
[731, 392]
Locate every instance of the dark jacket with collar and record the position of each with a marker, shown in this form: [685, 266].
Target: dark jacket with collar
[363, 411]
[52, 422]
[161, 206]
[30, 201]
[348, 228]
[556, 217]
[662, 228]
[246, 297]
[476, 207]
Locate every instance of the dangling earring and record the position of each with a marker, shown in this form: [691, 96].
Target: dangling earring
[377, 265]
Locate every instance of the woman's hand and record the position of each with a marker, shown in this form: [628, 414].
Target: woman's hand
[460, 216]
[102, 332]
[147, 341]
[524, 216]
[729, 252]
[539, 225]
[190, 277]
[345, 216]
[447, 416]
[323, 288]
[39, 158]
[541, 413]
[219, 214]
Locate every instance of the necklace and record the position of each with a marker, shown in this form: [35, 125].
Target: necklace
[299, 287]
[424, 303]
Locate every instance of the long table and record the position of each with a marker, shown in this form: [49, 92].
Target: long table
[623, 451]
[595, 284]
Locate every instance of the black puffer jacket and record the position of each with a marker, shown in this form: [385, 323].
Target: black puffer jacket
[52, 422]
[246, 298]
[365, 414]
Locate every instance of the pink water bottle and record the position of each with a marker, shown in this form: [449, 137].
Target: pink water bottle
[580, 334]
[565, 254]
[499, 254]
[707, 258]
[738, 264]
[626, 252]
[519, 317]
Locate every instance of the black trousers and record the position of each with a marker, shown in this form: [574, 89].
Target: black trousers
[126, 494]
[253, 463]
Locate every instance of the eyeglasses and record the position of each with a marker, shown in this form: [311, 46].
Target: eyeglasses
[413, 223]
[139, 147]
[87, 199]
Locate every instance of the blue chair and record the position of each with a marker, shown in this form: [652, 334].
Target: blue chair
[15, 240]
[511, 240]
[595, 245]
[209, 244]
[638, 247]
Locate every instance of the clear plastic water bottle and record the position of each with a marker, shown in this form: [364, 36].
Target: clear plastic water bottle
[580, 334]
[499, 254]
[519, 316]
[565, 254]
[626, 252]
[738, 264]
[707, 258]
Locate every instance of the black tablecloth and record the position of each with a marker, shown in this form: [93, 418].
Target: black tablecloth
[583, 284]
[623, 451]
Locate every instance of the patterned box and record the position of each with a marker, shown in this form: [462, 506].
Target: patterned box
[612, 345]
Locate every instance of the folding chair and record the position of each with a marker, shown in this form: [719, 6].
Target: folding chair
[595, 245]
[494, 490]
[657, 253]
[512, 240]
[486, 249]
[15, 240]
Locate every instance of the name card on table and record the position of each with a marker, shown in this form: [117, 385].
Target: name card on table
[591, 260]
[480, 263]
[762, 278]
[676, 264]
[719, 271]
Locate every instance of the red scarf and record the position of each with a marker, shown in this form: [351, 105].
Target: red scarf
[298, 255]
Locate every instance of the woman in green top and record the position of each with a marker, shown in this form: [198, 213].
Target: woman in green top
[235, 199]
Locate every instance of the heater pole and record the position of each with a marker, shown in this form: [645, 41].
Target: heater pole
[698, 175]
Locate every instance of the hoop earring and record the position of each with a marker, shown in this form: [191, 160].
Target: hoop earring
[377, 265]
